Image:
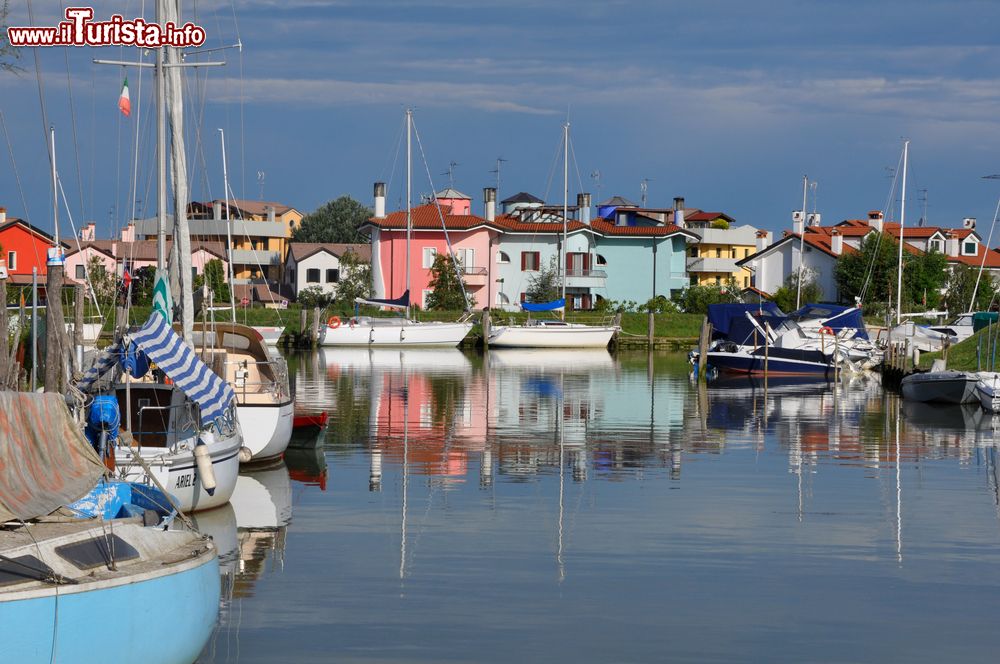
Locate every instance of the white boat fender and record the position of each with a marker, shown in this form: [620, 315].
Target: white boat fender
[204, 461]
[245, 454]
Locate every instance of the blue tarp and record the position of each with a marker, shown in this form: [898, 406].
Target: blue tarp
[544, 306]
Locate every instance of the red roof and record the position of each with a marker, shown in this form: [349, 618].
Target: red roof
[605, 227]
[425, 217]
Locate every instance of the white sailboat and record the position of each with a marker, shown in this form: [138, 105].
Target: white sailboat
[400, 331]
[554, 333]
[183, 436]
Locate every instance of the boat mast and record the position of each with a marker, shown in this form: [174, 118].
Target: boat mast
[409, 220]
[161, 157]
[902, 223]
[802, 241]
[229, 227]
[562, 252]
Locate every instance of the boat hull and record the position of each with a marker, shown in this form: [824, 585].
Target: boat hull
[940, 387]
[751, 364]
[551, 336]
[267, 428]
[177, 473]
[388, 332]
[270, 335]
[133, 603]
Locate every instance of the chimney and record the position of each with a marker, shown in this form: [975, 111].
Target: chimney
[952, 243]
[798, 222]
[583, 203]
[128, 233]
[836, 242]
[380, 200]
[270, 212]
[489, 203]
[89, 232]
[3, 215]
[217, 210]
[875, 219]
[679, 211]
[761, 241]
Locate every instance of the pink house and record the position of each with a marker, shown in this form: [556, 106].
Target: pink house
[139, 253]
[473, 239]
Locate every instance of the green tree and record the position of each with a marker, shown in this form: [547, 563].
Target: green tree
[446, 286]
[875, 264]
[142, 285]
[103, 283]
[355, 279]
[960, 285]
[335, 221]
[545, 285]
[924, 275]
[215, 275]
[314, 296]
[8, 53]
[720, 223]
[786, 296]
[695, 299]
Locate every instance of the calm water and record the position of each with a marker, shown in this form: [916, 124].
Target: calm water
[572, 506]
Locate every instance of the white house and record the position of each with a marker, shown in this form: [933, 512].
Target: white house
[312, 264]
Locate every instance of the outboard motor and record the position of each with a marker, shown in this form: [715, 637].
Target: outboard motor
[103, 420]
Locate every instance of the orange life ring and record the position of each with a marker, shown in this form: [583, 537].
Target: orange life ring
[827, 330]
[333, 322]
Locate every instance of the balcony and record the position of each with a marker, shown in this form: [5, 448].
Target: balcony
[709, 264]
[474, 276]
[252, 257]
[580, 278]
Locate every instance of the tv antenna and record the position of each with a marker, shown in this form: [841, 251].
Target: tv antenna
[923, 200]
[261, 175]
[596, 177]
[451, 174]
[500, 162]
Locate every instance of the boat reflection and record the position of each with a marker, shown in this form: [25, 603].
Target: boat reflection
[307, 465]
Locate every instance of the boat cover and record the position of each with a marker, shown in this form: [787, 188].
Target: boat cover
[47, 463]
[544, 306]
[834, 317]
[729, 321]
[192, 376]
[399, 303]
[105, 362]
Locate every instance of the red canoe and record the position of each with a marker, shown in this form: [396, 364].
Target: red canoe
[307, 421]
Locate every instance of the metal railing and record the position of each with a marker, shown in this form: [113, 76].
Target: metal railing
[580, 272]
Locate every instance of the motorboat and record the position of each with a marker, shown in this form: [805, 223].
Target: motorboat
[941, 385]
[551, 334]
[988, 391]
[264, 402]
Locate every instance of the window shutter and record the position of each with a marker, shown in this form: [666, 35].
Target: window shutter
[524, 263]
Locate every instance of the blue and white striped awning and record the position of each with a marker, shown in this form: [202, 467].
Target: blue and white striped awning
[105, 361]
[192, 376]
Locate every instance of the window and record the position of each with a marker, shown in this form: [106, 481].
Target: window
[524, 297]
[732, 252]
[429, 254]
[693, 252]
[194, 273]
[746, 281]
[502, 257]
[466, 258]
[937, 245]
[81, 272]
[425, 295]
[969, 248]
[11, 260]
[312, 275]
[601, 260]
[718, 280]
[332, 275]
[530, 261]
[718, 252]
[694, 280]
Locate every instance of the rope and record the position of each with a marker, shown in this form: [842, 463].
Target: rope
[149, 473]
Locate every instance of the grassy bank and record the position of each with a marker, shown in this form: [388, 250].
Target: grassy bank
[962, 357]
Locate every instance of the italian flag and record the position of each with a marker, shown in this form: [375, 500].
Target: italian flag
[124, 103]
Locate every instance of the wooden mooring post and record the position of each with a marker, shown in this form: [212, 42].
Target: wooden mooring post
[649, 328]
[303, 325]
[486, 329]
[78, 326]
[314, 337]
[706, 336]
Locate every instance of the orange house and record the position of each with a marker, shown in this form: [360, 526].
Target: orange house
[23, 247]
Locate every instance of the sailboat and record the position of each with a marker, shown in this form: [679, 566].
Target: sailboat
[399, 331]
[183, 434]
[553, 333]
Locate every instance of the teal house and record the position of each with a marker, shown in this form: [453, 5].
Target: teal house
[642, 250]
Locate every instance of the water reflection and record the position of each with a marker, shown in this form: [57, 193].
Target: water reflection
[456, 499]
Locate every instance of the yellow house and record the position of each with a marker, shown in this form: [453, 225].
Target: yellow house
[261, 231]
[712, 261]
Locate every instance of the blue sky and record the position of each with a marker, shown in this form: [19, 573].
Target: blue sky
[727, 103]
